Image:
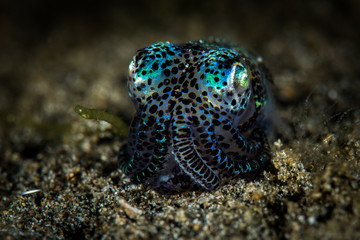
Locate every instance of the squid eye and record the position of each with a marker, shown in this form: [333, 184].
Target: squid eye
[239, 78]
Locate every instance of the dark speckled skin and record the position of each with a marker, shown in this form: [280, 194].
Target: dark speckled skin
[200, 118]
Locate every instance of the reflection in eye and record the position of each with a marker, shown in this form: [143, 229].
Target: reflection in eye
[240, 77]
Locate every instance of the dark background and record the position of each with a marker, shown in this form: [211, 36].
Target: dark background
[320, 35]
